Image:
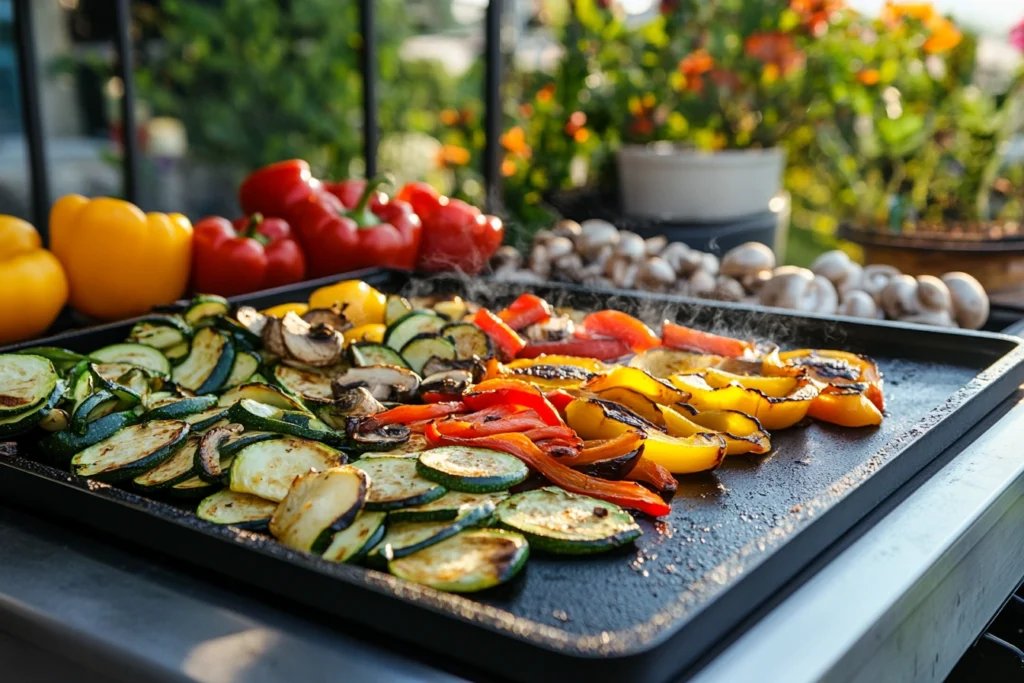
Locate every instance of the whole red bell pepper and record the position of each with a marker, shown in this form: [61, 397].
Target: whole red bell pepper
[276, 190]
[373, 232]
[624, 493]
[456, 236]
[255, 253]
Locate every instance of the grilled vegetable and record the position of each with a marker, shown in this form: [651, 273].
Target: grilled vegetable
[25, 383]
[303, 383]
[62, 359]
[351, 544]
[365, 354]
[131, 451]
[448, 506]
[469, 340]
[319, 504]
[557, 521]
[200, 422]
[246, 364]
[400, 332]
[317, 345]
[62, 445]
[253, 415]
[176, 469]
[385, 382]
[209, 462]
[467, 562]
[209, 362]
[267, 469]
[177, 409]
[422, 348]
[381, 439]
[139, 355]
[395, 483]
[243, 510]
[405, 538]
[474, 470]
[19, 423]
[261, 393]
[193, 487]
[396, 308]
[162, 332]
[206, 306]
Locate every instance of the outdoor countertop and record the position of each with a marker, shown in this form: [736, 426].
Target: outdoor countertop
[901, 602]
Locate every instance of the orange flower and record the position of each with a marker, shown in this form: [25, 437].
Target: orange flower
[725, 79]
[944, 33]
[868, 76]
[641, 126]
[581, 136]
[546, 93]
[576, 121]
[893, 13]
[449, 117]
[452, 155]
[514, 140]
[508, 168]
[774, 49]
[815, 14]
[526, 110]
[945, 36]
[465, 116]
[696, 63]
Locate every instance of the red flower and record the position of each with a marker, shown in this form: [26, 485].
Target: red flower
[774, 48]
[1017, 36]
[814, 14]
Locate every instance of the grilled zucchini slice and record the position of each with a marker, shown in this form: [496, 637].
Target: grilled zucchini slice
[206, 306]
[395, 308]
[253, 415]
[247, 363]
[200, 422]
[412, 448]
[468, 562]
[184, 407]
[243, 510]
[353, 543]
[261, 392]
[319, 504]
[396, 484]
[303, 383]
[469, 340]
[95, 406]
[405, 538]
[162, 332]
[208, 364]
[557, 521]
[139, 355]
[399, 333]
[474, 470]
[365, 354]
[423, 347]
[174, 470]
[25, 383]
[193, 487]
[14, 425]
[62, 445]
[448, 506]
[62, 359]
[131, 451]
[267, 469]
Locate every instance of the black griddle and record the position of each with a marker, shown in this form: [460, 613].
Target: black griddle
[735, 536]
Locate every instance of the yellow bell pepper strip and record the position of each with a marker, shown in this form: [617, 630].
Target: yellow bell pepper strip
[639, 381]
[360, 303]
[280, 310]
[120, 261]
[846, 407]
[34, 288]
[663, 363]
[772, 412]
[836, 368]
[550, 376]
[594, 418]
[742, 433]
[370, 332]
[776, 387]
[588, 364]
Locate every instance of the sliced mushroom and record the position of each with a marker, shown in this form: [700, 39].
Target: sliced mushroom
[448, 383]
[381, 439]
[970, 302]
[859, 304]
[351, 402]
[329, 316]
[384, 382]
[315, 345]
[273, 337]
[251, 319]
[208, 454]
[474, 366]
[555, 328]
[747, 258]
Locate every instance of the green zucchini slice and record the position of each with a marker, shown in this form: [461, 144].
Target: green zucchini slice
[19, 423]
[303, 383]
[243, 510]
[405, 538]
[399, 333]
[423, 347]
[469, 340]
[179, 408]
[261, 392]
[318, 505]
[474, 470]
[96, 405]
[395, 308]
[207, 419]
[396, 484]
[25, 382]
[354, 542]
[162, 332]
[174, 470]
[412, 448]
[448, 506]
[206, 306]
[365, 354]
[62, 359]
[557, 521]
[127, 382]
[131, 451]
[268, 468]
[208, 364]
[177, 353]
[471, 561]
[193, 487]
[262, 417]
[62, 445]
[247, 363]
[139, 355]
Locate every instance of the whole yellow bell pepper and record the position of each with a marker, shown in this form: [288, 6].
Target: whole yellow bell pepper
[360, 303]
[33, 288]
[120, 261]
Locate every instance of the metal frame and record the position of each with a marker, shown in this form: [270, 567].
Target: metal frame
[33, 122]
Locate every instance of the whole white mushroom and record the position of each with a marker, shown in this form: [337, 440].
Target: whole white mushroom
[970, 302]
[801, 290]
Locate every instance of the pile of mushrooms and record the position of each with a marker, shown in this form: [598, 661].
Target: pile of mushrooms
[597, 254]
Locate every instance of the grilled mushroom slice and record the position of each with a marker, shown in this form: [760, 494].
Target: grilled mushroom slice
[353, 402]
[474, 366]
[317, 345]
[556, 328]
[384, 382]
[329, 316]
[273, 337]
[449, 382]
[251, 319]
[383, 439]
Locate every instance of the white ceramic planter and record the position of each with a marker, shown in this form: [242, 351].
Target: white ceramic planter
[667, 182]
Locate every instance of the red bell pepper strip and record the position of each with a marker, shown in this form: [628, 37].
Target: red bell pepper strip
[621, 326]
[526, 310]
[598, 349]
[626, 494]
[503, 336]
[557, 448]
[607, 449]
[276, 190]
[688, 339]
[564, 434]
[409, 414]
[559, 398]
[337, 238]
[656, 475]
[468, 429]
[255, 253]
[456, 236]
[512, 391]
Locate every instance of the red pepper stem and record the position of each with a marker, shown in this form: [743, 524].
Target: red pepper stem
[251, 226]
[361, 213]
